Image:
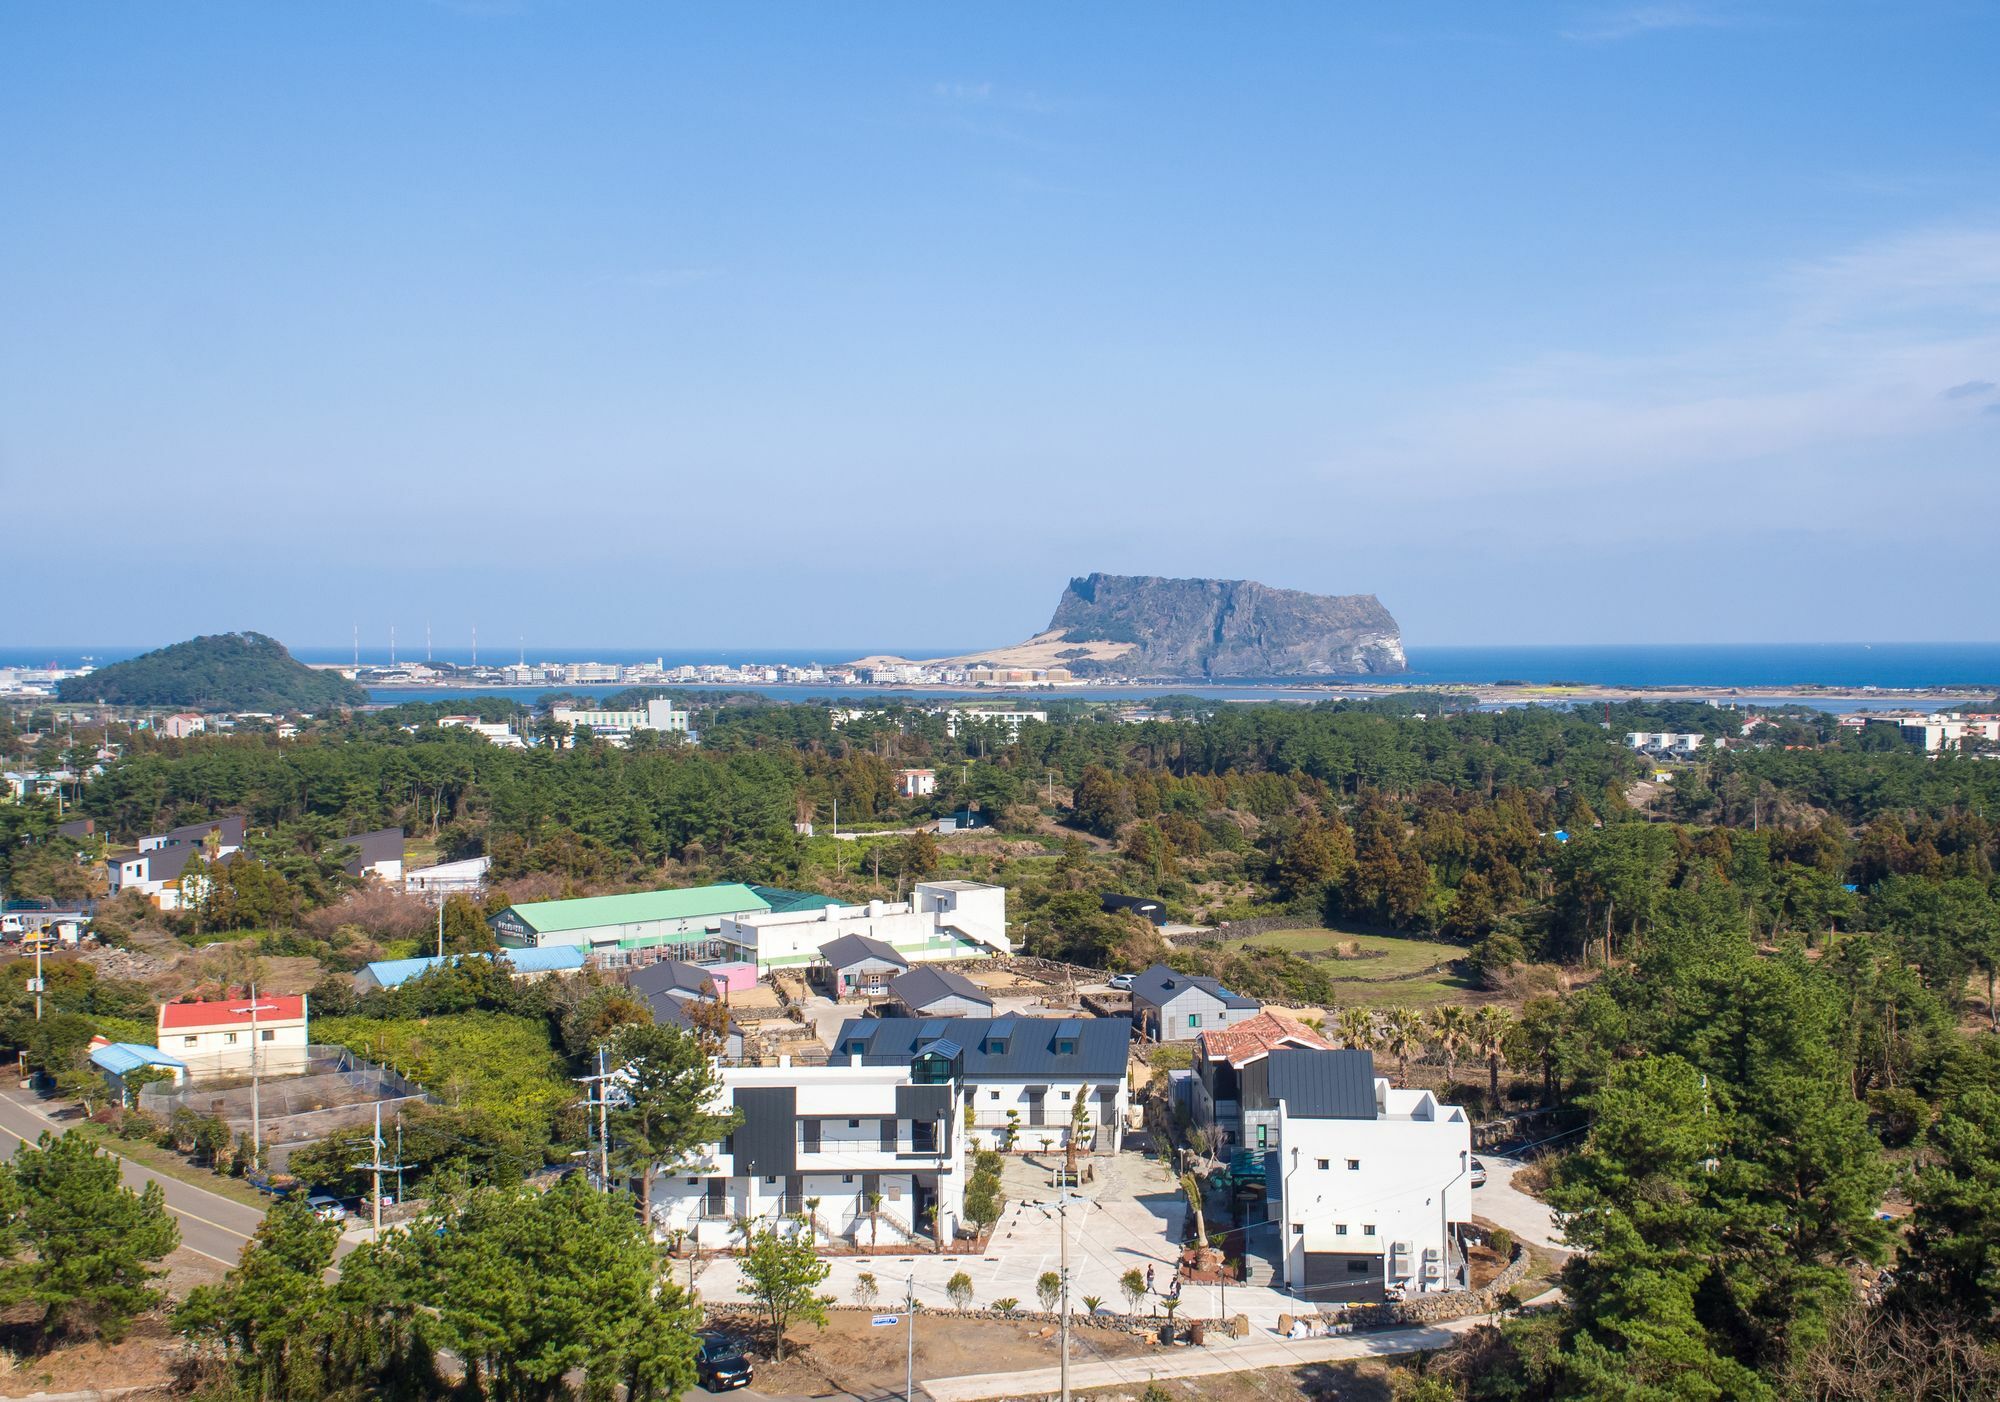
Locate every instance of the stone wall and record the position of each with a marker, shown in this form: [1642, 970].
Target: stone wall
[1441, 1305]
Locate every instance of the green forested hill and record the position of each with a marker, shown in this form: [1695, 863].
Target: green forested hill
[224, 672]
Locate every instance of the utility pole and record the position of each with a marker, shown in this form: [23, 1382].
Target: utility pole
[595, 1097]
[256, 1071]
[910, 1348]
[440, 925]
[38, 976]
[377, 1168]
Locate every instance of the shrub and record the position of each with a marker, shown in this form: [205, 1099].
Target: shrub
[866, 1288]
[1092, 1303]
[1134, 1286]
[1900, 1115]
[1048, 1288]
[1006, 1304]
[959, 1290]
[1502, 1242]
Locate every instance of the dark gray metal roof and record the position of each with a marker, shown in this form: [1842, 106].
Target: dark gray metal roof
[1324, 1085]
[1102, 1044]
[672, 976]
[849, 950]
[1160, 985]
[925, 985]
[230, 829]
[381, 845]
[765, 1142]
[925, 1103]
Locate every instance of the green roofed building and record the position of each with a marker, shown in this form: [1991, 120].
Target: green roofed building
[685, 923]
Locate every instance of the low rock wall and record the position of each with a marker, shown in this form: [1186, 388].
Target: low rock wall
[1437, 1307]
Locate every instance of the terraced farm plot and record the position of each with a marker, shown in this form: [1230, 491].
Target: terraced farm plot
[1395, 972]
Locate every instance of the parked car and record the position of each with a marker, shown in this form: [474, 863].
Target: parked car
[1478, 1174]
[719, 1364]
[326, 1207]
[1121, 982]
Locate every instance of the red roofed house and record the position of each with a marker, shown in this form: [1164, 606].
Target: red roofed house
[233, 1035]
[1232, 1088]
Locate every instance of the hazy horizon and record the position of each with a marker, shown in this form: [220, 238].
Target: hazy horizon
[1647, 323]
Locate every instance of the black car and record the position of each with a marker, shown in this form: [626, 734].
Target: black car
[719, 1364]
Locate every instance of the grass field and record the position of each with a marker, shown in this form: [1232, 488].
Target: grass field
[171, 1165]
[1400, 973]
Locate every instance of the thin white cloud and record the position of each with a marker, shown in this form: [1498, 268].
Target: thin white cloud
[1611, 26]
[1835, 353]
[987, 93]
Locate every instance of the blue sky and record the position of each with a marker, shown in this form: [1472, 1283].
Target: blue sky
[812, 324]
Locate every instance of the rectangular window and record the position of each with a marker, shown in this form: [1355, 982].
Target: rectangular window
[992, 1095]
[854, 1124]
[229, 1039]
[190, 1041]
[1262, 1132]
[694, 1182]
[1368, 1229]
[1065, 1095]
[1353, 1165]
[1298, 1229]
[269, 1035]
[1065, 1046]
[1194, 1020]
[1320, 1164]
[847, 1178]
[1340, 1229]
[769, 1179]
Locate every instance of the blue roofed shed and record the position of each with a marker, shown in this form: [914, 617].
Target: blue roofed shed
[117, 1060]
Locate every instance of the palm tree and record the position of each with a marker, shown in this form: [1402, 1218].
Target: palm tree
[1491, 1026]
[1356, 1029]
[1450, 1031]
[874, 1201]
[812, 1220]
[1405, 1038]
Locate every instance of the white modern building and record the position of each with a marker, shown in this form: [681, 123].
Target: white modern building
[840, 1134]
[1371, 1186]
[1024, 1077]
[465, 877]
[1945, 731]
[916, 783]
[1012, 720]
[233, 1036]
[493, 732]
[941, 920]
[658, 714]
[1663, 742]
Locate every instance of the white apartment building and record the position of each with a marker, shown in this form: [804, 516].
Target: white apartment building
[916, 783]
[1946, 731]
[466, 877]
[235, 1035]
[839, 1134]
[941, 920]
[1370, 1185]
[658, 714]
[493, 732]
[1663, 742]
[1013, 720]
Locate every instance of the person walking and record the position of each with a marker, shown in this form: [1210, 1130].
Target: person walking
[1149, 1277]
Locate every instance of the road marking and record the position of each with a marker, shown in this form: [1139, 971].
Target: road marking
[163, 1180]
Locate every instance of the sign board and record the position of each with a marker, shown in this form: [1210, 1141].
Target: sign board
[884, 1321]
[35, 985]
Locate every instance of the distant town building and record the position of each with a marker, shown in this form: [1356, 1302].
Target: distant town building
[1944, 731]
[929, 991]
[378, 855]
[521, 963]
[1153, 912]
[916, 783]
[959, 717]
[1170, 1006]
[220, 836]
[643, 925]
[658, 714]
[494, 732]
[182, 724]
[1663, 742]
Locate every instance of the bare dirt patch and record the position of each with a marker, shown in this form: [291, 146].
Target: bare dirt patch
[143, 1358]
[1358, 1381]
[851, 1355]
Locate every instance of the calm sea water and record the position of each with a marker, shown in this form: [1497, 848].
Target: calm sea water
[1748, 667]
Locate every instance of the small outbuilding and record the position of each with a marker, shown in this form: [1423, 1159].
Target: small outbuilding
[1170, 1006]
[858, 966]
[117, 1060]
[928, 991]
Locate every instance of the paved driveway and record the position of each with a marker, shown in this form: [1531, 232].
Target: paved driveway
[1504, 1205]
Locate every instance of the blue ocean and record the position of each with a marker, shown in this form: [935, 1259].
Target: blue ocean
[1744, 667]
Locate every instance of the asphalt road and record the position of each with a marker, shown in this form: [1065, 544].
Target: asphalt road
[211, 1225]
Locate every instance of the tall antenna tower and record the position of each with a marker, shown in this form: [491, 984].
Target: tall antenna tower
[392, 644]
[427, 640]
[357, 644]
[475, 644]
